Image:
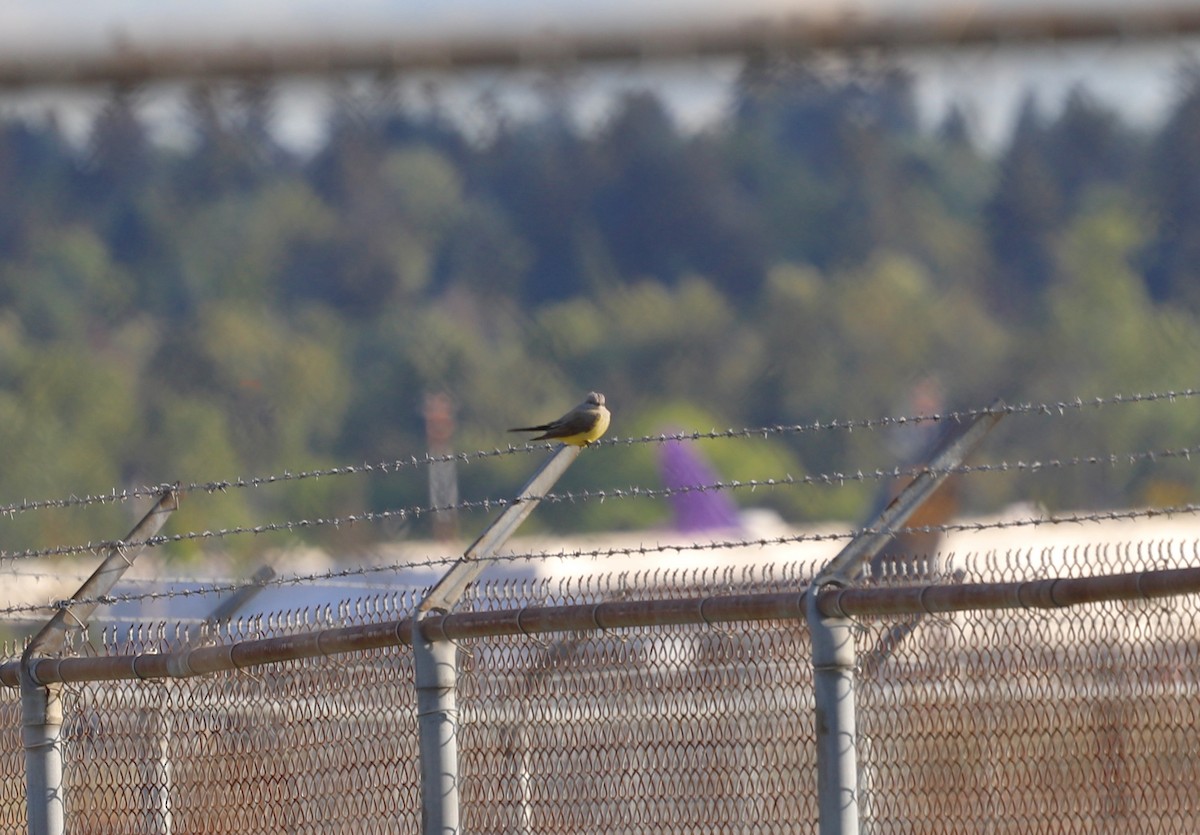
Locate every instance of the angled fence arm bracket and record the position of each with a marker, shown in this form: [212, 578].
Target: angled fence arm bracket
[435, 660]
[834, 656]
[118, 559]
[843, 569]
[447, 591]
[41, 704]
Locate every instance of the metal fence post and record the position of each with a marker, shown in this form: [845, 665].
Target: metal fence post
[833, 660]
[833, 652]
[41, 703]
[435, 660]
[949, 453]
[436, 676]
[41, 737]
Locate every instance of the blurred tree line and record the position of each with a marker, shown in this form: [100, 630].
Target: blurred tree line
[234, 309]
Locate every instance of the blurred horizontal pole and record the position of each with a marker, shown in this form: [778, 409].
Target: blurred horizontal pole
[131, 62]
[615, 614]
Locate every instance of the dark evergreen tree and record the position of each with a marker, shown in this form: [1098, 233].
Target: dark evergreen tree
[35, 166]
[430, 125]
[234, 148]
[121, 187]
[544, 177]
[1024, 213]
[955, 128]
[1171, 261]
[119, 160]
[807, 108]
[839, 128]
[349, 268]
[668, 208]
[1087, 147]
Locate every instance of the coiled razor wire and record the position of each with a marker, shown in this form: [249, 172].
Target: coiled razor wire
[641, 549]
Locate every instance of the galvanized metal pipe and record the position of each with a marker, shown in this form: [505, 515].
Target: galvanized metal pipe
[833, 652]
[41, 737]
[41, 705]
[832, 602]
[131, 63]
[227, 608]
[435, 657]
[833, 660]
[118, 559]
[436, 675]
[447, 591]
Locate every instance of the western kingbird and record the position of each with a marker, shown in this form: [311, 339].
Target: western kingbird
[580, 426]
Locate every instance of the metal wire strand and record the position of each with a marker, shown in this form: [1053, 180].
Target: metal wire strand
[1047, 408]
[835, 479]
[641, 549]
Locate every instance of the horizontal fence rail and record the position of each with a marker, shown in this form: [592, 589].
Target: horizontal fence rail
[639, 704]
[613, 615]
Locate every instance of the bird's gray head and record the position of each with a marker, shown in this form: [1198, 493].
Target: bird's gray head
[595, 398]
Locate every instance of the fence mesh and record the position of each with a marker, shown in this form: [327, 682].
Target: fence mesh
[1074, 720]
[294, 747]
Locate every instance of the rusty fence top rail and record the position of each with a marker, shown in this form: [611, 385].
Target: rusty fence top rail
[186, 661]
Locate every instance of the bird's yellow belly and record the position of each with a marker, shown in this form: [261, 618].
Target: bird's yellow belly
[585, 438]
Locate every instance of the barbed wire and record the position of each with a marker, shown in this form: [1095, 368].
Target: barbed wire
[640, 550]
[1048, 408]
[416, 512]
[80, 576]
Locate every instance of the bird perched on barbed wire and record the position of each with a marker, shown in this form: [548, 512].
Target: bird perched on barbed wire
[580, 426]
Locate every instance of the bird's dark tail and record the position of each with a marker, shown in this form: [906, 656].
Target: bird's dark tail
[541, 428]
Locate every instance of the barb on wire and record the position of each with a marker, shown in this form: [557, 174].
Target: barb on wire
[222, 486]
[834, 479]
[639, 550]
[1050, 408]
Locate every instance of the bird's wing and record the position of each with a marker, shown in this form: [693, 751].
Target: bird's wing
[577, 421]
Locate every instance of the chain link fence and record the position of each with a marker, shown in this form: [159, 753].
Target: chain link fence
[700, 160]
[1071, 720]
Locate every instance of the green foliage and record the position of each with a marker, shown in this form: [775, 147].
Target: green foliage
[229, 310]
[1171, 258]
[66, 286]
[1105, 332]
[256, 231]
